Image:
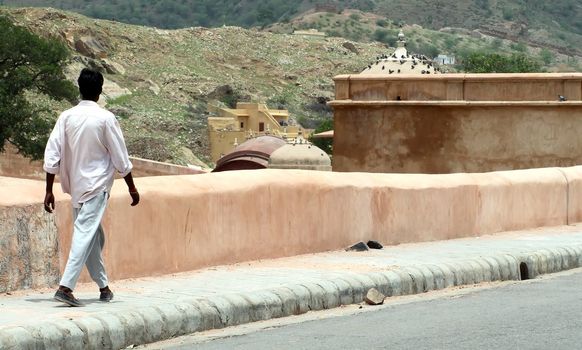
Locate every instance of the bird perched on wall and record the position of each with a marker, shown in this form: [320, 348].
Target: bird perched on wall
[562, 98]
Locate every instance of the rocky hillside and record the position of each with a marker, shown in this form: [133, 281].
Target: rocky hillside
[553, 24]
[159, 82]
[368, 27]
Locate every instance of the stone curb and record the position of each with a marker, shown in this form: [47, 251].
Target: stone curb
[165, 321]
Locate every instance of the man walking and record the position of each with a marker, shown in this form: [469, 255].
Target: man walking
[85, 148]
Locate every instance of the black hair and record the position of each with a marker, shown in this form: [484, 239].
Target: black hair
[90, 84]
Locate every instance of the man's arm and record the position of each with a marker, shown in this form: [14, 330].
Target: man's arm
[52, 163]
[132, 190]
[49, 198]
[116, 146]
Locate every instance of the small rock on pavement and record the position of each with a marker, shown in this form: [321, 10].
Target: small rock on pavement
[358, 247]
[375, 245]
[374, 297]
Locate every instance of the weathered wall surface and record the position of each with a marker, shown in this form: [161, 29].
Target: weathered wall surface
[14, 165]
[455, 136]
[29, 251]
[188, 222]
[456, 122]
[29, 257]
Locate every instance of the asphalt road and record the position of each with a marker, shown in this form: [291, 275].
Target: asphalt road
[536, 314]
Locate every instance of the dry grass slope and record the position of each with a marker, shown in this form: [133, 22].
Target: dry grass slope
[173, 74]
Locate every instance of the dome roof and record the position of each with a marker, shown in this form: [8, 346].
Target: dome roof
[300, 156]
[401, 62]
[251, 154]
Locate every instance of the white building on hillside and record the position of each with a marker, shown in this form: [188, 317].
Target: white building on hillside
[445, 60]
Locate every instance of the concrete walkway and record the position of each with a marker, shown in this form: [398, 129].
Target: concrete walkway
[152, 309]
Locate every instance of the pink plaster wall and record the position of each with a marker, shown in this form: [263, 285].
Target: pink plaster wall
[188, 222]
[14, 165]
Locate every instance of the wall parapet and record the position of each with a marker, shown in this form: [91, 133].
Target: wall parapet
[189, 222]
[463, 103]
[14, 164]
[472, 87]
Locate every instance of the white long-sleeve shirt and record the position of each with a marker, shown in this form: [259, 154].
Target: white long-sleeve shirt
[85, 148]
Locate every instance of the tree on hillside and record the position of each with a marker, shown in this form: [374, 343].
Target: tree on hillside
[479, 62]
[29, 63]
[546, 56]
[325, 144]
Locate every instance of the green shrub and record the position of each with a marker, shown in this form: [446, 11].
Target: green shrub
[325, 144]
[479, 62]
[519, 46]
[546, 56]
[508, 13]
[382, 23]
[120, 100]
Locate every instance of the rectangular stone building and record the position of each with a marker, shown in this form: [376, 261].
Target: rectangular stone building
[456, 122]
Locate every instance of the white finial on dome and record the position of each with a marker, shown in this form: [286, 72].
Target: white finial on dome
[401, 36]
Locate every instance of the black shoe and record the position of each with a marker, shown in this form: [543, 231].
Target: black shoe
[106, 295]
[67, 298]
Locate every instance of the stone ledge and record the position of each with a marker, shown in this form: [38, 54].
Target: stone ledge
[473, 77]
[165, 321]
[453, 103]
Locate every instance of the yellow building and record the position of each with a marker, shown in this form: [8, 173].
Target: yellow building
[230, 127]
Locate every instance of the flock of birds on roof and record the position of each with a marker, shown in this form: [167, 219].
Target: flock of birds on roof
[416, 60]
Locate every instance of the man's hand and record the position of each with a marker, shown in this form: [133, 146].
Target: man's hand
[132, 190]
[134, 196]
[49, 202]
[49, 198]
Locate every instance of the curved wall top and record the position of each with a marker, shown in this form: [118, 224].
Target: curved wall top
[188, 222]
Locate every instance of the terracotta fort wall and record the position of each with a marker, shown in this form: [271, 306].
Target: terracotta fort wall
[189, 222]
[456, 122]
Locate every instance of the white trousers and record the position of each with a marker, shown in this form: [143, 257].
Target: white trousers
[87, 244]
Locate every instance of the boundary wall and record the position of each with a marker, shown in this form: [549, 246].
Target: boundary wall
[189, 222]
[453, 87]
[15, 165]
